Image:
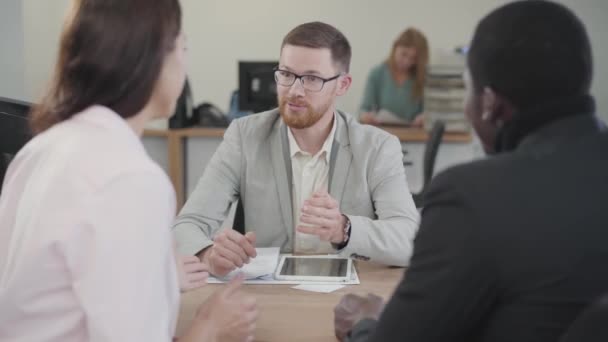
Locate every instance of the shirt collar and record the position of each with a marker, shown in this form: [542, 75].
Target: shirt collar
[294, 148]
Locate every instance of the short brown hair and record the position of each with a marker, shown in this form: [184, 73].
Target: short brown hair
[111, 54]
[318, 35]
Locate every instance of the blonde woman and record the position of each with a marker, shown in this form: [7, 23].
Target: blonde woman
[397, 84]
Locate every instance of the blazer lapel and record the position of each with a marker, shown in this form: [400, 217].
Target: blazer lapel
[341, 158]
[281, 165]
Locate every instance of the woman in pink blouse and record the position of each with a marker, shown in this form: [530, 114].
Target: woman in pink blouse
[86, 252]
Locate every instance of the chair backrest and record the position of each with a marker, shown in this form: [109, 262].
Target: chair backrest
[591, 325]
[14, 131]
[431, 150]
[14, 128]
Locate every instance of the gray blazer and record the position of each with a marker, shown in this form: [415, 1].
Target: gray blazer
[366, 177]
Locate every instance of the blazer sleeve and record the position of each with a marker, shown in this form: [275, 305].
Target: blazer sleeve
[387, 239]
[450, 285]
[209, 204]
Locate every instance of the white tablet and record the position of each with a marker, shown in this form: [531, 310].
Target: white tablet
[325, 268]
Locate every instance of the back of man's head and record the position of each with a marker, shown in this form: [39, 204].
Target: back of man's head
[530, 52]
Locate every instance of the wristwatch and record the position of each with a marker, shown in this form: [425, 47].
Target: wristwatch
[347, 227]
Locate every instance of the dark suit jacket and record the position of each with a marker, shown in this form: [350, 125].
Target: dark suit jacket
[511, 248]
[591, 325]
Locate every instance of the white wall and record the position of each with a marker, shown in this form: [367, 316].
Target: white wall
[219, 35]
[221, 32]
[11, 57]
[42, 23]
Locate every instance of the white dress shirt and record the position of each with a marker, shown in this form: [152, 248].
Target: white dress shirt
[86, 252]
[309, 174]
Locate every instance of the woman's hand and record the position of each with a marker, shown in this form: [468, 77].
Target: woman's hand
[192, 272]
[419, 120]
[368, 118]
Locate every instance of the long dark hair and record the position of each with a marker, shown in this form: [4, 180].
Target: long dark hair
[111, 54]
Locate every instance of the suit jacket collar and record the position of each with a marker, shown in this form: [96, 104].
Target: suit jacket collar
[341, 158]
[530, 120]
[563, 131]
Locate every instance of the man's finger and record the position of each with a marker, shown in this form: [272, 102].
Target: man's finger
[320, 193]
[316, 221]
[230, 255]
[243, 242]
[222, 262]
[319, 211]
[251, 237]
[235, 248]
[318, 231]
[329, 201]
[323, 202]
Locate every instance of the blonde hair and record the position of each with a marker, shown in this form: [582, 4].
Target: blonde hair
[412, 38]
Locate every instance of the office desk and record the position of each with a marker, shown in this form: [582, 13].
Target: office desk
[287, 314]
[412, 138]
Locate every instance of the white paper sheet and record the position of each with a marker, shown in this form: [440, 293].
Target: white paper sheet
[260, 267]
[318, 288]
[388, 117]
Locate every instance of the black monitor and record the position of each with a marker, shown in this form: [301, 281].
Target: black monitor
[14, 128]
[257, 88]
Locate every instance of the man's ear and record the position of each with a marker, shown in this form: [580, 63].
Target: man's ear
[344, 83]
[495, 108]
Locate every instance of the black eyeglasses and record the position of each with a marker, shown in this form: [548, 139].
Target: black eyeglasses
[309, 82]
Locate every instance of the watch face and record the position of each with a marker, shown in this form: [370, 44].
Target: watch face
[346, 230]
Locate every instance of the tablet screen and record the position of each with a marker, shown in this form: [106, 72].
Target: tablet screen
[315, 267]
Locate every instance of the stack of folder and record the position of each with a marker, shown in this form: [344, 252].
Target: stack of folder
[444, 96]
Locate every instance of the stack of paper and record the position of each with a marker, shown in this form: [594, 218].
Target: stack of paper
[388, 117]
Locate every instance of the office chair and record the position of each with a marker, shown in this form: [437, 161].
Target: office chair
[14, 132]
[430, 155]
[591, 325]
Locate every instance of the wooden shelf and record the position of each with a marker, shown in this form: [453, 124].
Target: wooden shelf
[410, 134]
[156, 133]
[207, 132]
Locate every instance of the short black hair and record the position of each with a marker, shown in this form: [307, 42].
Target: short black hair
[530, 52]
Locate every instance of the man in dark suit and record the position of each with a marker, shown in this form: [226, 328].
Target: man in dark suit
[515, 246]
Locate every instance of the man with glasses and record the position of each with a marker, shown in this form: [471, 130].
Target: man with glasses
[311, 179]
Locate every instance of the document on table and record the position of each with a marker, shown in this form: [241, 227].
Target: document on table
[260, 271]
[388, 117]
[259, 268]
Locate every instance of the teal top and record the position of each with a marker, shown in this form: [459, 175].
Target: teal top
[382, 92]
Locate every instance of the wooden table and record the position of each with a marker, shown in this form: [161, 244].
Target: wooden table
[176, 141]
[287, 314]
